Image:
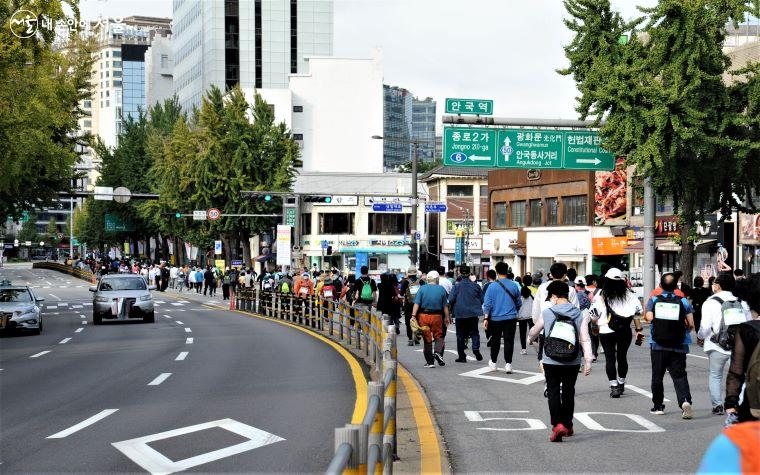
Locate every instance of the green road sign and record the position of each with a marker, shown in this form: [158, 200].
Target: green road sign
[529, 148]
[290, 216]
[525, 148]
[115, 223]
[469, 106]
[471, 147]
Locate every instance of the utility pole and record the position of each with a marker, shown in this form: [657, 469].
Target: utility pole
[71, 228]
[649, 240]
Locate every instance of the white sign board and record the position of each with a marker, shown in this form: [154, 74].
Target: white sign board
[217, 247]
[340, 200]
[199, 215]
[283, 245]
[473, 245]
[370, 200]
[104, 193]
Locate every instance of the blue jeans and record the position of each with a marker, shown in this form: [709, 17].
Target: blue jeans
[718, 362]
[467, 328]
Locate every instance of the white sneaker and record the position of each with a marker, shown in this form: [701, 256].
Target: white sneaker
[688, 413]
[523, 352]
[508, 368]
[491, 365]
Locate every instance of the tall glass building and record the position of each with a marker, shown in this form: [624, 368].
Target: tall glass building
[423, 127]
[133, 79]
[397, 123]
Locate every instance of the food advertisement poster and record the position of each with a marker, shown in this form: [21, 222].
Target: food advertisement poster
[749, 229]
[611, 195]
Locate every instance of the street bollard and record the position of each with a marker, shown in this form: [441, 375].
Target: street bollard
[391, 367]
[361, 448]
[375, 437]
[350, 437]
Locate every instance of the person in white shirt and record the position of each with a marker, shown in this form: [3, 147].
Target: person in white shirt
[712, 316]
[173, 273]
[613, 308]
[558, 271]
[444, 281]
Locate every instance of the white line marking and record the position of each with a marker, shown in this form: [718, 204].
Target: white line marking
[65, 340]
[76, 306]
[188, 330]
[469, 358]
[46, 287]
[87, 304]
[189, 341]
[181, 356]
[159, 379]
[63, 304]
[78, 330]
[84, 322]
[176, 304]
[697, 356]
[37, 355]
[160, 302]
[82, 316]
[85, 423]
[49, 307]
[179, 323]
[48, 282]
[184, 301]
[55, 297]
[167, 316]
[451, 331]
[643, 392]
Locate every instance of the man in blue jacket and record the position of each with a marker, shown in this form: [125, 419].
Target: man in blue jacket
[502, 301]
[466, 299]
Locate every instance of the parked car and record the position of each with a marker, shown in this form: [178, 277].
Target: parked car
[122, 297]
[19, 308]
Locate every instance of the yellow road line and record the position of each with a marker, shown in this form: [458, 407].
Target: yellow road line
[360, 382]
[430, 451]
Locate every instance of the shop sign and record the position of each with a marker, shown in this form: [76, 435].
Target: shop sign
[667, 226]
[609, 246]
[353, 243]
[387, 242]
[749, 229]
[634, 234]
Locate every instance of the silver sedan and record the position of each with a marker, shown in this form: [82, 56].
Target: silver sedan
[122, 297]
[19, 308]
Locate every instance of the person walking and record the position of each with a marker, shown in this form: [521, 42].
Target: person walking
[671, 322]
[739, 385]
[613, 309]
[466, 300]
[165, 276]
[388, 300]
[699, 294]
[365, 290]
[208, 278]
[500, 306]
[721, 314]
[431, 312]
[525, 316]
[490, 279]
[566, 332]
[304, 287]
[557, 271]
[408, 290]
[173, 276]
[226, 282]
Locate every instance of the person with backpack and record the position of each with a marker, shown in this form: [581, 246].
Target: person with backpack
[722, 313]
[671, 322]
[388, 300]
[285, 284]
[613, 309]
[466, 300]
[408, 289]
[500, 306]
[524, 316]
[365, 293]
[226, 281]
[566, 332]
[431, 313]
[744, 371]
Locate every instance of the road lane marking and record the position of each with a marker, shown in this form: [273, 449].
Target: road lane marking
[469, 358]
[55, 297]
[179, 323]
[85, 423]
[159, 379]
[87, 304]
[154, 461]
[84, 322]
[167, 316]
[37, 355]
[483, 373]
[46, 287]
[697, 356]
[188, 330]
[189, 341]
[50, 307]
[181, 356]
[65, 340]
[48, 282]
[78, 330]
[643, 392]
[63, 304]
[76, 306]
[176, 304]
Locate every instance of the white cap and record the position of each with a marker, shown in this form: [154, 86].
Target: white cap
[432, 275]
[614, 273]
[580, 281]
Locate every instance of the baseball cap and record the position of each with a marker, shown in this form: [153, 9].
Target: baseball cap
[614, 273]
[580, 281]
[412, 270]
[432, 275]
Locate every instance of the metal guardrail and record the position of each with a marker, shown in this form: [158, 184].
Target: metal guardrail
[368, 447]
[79, 274]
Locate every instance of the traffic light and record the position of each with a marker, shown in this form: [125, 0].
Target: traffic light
[178, 215]
[328, 251]
[316, 199]
[260, 197]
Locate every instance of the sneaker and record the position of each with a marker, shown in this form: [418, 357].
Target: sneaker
[461, 360]
[688, 412]
[429, 365]
[411, 343]
[416, 342]
[491, 365]
[615, 392]
[718, 410]
[439, 359]
[558, 432]
[657, 410]
[508, 368]
[570, 431]
[523, 352]
[477, 354]
[622, 387]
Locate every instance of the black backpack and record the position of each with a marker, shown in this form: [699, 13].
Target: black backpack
[559, 349]
[669, 323]
[733, 311]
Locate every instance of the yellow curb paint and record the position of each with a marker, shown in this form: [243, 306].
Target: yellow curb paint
[430, 452]
[360, 382]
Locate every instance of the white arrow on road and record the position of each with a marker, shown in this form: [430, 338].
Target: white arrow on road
[477, 158]
[594, 161]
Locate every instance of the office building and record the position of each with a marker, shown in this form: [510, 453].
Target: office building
[423, 128]
[256, 44]
[159, 64]
[397, 124]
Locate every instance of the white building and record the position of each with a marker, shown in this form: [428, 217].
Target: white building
[159, 63]
[254, 43]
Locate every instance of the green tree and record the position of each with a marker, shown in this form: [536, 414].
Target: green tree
[422, 167]
[52, 232]
[665, 104]
[28, 231]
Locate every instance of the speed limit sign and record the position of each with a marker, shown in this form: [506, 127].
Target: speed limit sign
[214, 214]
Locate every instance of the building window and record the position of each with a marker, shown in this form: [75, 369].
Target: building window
[117, 54]
[164, 60]
[336, 223]
[535, 213]
[297, 108]
[306, 224]
[297, 136]
[117, 64]
[484, 191]
[293, 36]
[88, 123]
[87, 104]
[117, 82]
[517, 209]
[116, 74]
[552, 212]
[574, 210]
[389, 223]
[499, 216]
[452, 225]
[459, 190]
[484, 226]
[107, 53]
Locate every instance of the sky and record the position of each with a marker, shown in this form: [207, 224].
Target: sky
[505, 50]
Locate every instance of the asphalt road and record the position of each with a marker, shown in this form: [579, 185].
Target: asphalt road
[238, 394]
[495, 422]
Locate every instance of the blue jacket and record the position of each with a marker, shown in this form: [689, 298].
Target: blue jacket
[466, 299]
[500, 306]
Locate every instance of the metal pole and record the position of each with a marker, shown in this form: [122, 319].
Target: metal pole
[467, 236]
[71, 229]
[415, 251]
[649, 241]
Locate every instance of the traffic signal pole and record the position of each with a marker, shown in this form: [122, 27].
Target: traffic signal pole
[415, 205]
